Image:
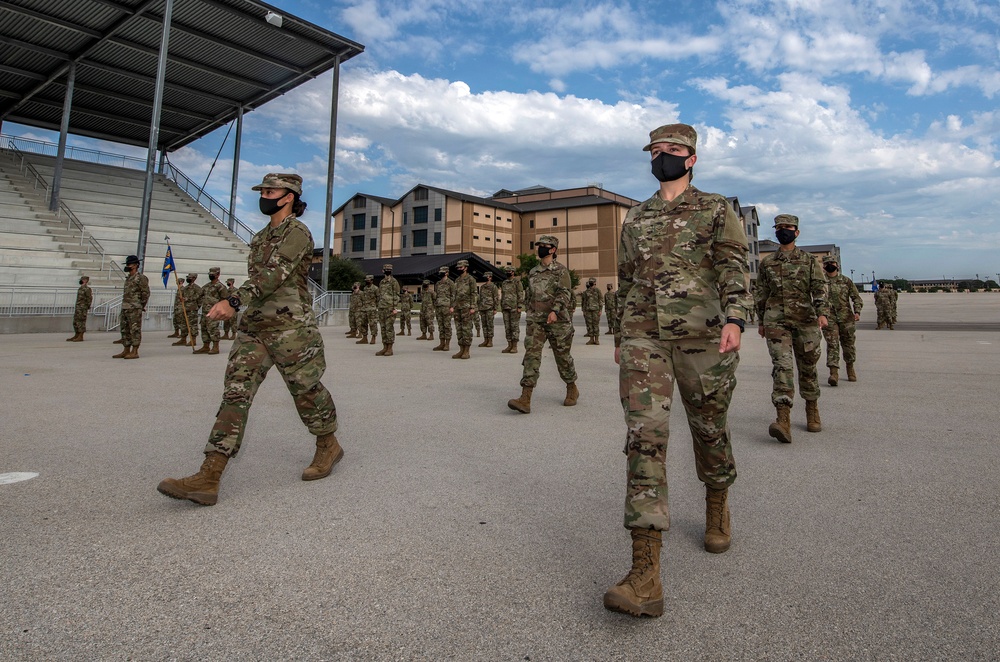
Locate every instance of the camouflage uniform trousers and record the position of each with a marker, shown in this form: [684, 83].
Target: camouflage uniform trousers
[80, 321]
[444, 324]
[463, 326]
[477, 321]
[229, 325]
[192, 316]
[405, 321]
[883, 315]
[210, 330]
[593, 321]
[426, 320]
[130, 324]
[486, 319]
[705, 380]
[387, 320]
[798, 345]
[560, 337]
[512, 324]
[298, 355]
[178, 320]
[839, 334]
[352, 319]
[371, 315]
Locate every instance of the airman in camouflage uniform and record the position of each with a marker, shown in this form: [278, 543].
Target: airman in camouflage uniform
[610, 310]
[893, 302]
[546, 302]
[591, 301]
[211, 294]
[277, 329]
[476, 321]
[388, 307]
[135, 295]
[682, 302]
[229, 326]
[354, 313]
[489, 301]
[845, 310]
[192, 304]
[405, 312]
[84, 299]
[792, 305]
[444, 292]
[180, 328]
[463, 307]
[370, 300]
[511, 302]
[427, 310]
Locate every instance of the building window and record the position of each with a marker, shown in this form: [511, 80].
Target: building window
[437, 215]
[475, 213]
[555, 222]
[420, 194]
[344, 249]
[358, 244]
[360, 202]
[374, 221]
[345, 222]
[475, 236]
[406, 217]
[531, 223]
[488, 239]
[531, 245]
[419, 238]
[359, 221]
[498, 240]
[372, 244]
[437, 238]
[508, 241]
[419, 215]
[404, 241]
[487, 215]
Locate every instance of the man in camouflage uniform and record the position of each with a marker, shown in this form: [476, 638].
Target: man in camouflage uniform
[135, 296]
[278, 328]
[609, 310]
[792, 305]
[211, 294]
[893, 299]
[367, 319]
[354, 313]
[489, 301]
[883, 307]
[405, 312]
[546, 302]
[388, 307]
[845, 310]
[229, 326]
[511, 302]
[592, 311]
[476, 317]
[427, 310]
[444, 292]
[180, 328]
[682, 302]
[84, 299]
[192, 304]
[463, 307]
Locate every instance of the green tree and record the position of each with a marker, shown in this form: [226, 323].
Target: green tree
[343, 274]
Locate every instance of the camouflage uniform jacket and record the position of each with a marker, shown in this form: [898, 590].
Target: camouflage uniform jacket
[136, 292]
[427, 298]
[845, 302]
[405, 301]
[276, 293]
[465, 292]
[489, 298]
[192, 297]
[212, 294]
[356, 301]
[682, 268]
[84, 299]
[512, 293]
[388, 294]
[370, 297]
[548, 291]
[444, 292]
[591, 299]
[791, 289]
[610, 303]
[177, 298]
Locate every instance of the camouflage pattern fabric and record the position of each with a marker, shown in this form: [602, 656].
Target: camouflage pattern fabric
[511, 302]
[682, 271]
[192, 304]
[427, 310]
[845, 302]
[489, 301]
[464, 300]
[405, 311]
[705, 380]
[135, 295]
[444, 291]
[230, 323]
[388, 301]
[793, 346]
[591, 303]
[211, 294]
[476, 317]
[611, 309]
[371, 308]
[354, 311]
[178, 318]
[84, 299]
[279, 329]
[548, 291]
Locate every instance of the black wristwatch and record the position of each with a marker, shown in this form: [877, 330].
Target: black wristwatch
[234, 301]
[737, 321]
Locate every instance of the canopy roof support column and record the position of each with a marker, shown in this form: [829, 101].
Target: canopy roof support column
[236, 169]
[63, 133]
[328, 221]
[154, 134]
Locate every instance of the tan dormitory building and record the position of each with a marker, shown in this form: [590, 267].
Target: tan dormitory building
[428, 220]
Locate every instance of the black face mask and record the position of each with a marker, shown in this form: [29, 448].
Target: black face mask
[387, 273]
[188, 280]
[784, 236]
[830, 268]
[269, 206]
[669, 167]
[81, 282]
[544, 251]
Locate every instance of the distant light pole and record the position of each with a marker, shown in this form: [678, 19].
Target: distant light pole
[852, 275]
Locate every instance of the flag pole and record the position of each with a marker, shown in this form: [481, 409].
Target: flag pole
[180, 293]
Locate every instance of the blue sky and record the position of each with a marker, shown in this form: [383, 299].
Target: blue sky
[874, 121]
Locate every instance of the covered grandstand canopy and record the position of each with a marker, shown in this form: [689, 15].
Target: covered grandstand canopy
[223, 59]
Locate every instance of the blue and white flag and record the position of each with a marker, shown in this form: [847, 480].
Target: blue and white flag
[168, 266]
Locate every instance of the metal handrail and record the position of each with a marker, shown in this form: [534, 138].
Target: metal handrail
[208, 203]
[76, 153]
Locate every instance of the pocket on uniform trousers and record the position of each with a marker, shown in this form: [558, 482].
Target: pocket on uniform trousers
[633, 383]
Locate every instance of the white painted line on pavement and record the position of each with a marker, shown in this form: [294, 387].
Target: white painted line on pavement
[16, 477]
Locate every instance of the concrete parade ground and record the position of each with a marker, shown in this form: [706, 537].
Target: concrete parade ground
[455, 528]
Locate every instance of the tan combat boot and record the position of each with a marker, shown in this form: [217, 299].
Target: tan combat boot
[328, 453]
[851, 375]
[182, 341]
[175, 334]
[718, 533]
[126, 350]
[446, 345]
[202, 487]
[372, 341]
[813, 424]
[79, 338]
[215, 347]
[781, 429]
[640, 593]
[401, 333]
[506, 350]
[590, 340]
[462, 353]
[522, 404]
[422, 336]
[430, 335]
[74, 338]
[205, 348]
[388, 351]
[133, 353]
[118, 342]
[439, 347]
[834, 376]
[513, 347]
[597, 340]
[483, 344]
[488, 343]
[382, 351]
[572, 395]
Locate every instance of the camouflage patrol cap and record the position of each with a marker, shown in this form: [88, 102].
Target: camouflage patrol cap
[462, 263]
[548, 239]
[786, 219]
[427, 282]
[830, 259]
[369, 277]
[230, 280]
[192, 275]
[509, 270]
[591, 281]
[215, 270]
[680, 134]
[386, 266]
[290, 181]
